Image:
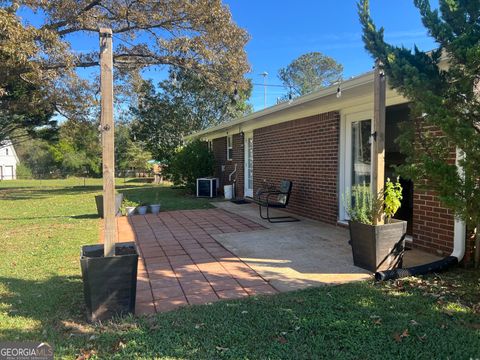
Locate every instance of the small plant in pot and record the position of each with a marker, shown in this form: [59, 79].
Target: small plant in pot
[142, 208]
[128, 207]
[380, 246]
[155, 207]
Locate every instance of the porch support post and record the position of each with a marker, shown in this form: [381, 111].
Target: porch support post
[378, 139]
[107, 129]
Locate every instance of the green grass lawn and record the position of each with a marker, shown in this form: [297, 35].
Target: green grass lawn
[44, 223]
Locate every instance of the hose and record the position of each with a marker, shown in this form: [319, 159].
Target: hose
[435, 266]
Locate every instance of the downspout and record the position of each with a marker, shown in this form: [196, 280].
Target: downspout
[234, 189]
[459, 236]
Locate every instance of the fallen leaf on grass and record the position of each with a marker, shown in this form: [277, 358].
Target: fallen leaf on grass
[120, 346]
[198, 326]
[413, 322]
[476, 308]
[221, 349]
[86, 354]
[398, 337]
[281, 339]
[422, 338]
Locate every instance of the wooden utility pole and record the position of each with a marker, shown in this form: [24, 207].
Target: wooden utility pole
[378, 139]
[107, 129]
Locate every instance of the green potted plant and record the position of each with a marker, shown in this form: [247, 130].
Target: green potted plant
[155, 207]
[376, 247]
[128, 207]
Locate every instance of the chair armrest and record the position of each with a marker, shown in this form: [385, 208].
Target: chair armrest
[261, 192]
[270, 193]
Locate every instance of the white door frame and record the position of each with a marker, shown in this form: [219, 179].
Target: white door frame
[346, 155]
[246, 191]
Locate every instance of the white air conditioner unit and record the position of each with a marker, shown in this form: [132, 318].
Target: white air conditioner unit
[207, 187]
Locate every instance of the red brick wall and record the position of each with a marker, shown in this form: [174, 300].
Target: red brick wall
[433, 224]
[220, 153]
[304, 151]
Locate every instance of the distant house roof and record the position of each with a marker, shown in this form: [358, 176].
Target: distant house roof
[9, 144]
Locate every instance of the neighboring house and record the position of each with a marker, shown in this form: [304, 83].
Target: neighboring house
[8, 161]
[321, 141]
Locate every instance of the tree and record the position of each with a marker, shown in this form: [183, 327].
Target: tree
[198, 35]
[442, 99]
[180, 107]
[78, 149]
[191, 162]
[310, 72]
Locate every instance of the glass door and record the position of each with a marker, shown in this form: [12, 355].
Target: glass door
[361, 155]
[356, 155]
[249, 164]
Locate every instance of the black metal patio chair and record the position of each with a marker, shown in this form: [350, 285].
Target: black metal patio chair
[276, 198]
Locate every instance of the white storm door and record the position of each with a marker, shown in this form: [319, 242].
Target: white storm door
[248, 165]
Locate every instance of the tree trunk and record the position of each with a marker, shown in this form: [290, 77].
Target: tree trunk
[477, 247]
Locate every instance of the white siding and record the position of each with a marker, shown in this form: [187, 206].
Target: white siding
[8, 161]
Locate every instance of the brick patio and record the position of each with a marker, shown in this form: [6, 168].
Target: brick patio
[181, 263]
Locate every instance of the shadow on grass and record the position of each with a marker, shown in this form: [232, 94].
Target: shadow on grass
[26, 193]
[77, 217]
[50, 304]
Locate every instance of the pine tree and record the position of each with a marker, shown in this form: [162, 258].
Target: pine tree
[444, 99]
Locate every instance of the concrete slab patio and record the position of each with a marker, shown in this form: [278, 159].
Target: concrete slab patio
[297, 255]
[201, 256]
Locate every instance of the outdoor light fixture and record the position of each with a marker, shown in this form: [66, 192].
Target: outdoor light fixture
[339, 92]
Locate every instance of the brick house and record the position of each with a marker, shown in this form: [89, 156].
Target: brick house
[321, 141]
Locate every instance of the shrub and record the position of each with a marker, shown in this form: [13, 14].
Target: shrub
[24, 172]
[393, 198]
[192, 161]
[361, 206]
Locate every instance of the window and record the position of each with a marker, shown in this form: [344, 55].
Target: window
[210, 145]
[229, 147]
[6, 152]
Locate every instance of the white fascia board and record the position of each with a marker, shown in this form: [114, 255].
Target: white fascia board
[331, 90]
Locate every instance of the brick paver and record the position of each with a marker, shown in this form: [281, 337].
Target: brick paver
[181, 263]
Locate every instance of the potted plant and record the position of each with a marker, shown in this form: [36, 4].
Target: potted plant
[142, 208]
[376, 247]
[109, 282]
[155, 207]
[118, 204]
[129, 207]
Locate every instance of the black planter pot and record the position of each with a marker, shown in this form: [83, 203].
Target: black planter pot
[109, 283]
[118, 204]
[378, 247]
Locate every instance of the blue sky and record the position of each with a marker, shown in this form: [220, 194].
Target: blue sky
[283, 30]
